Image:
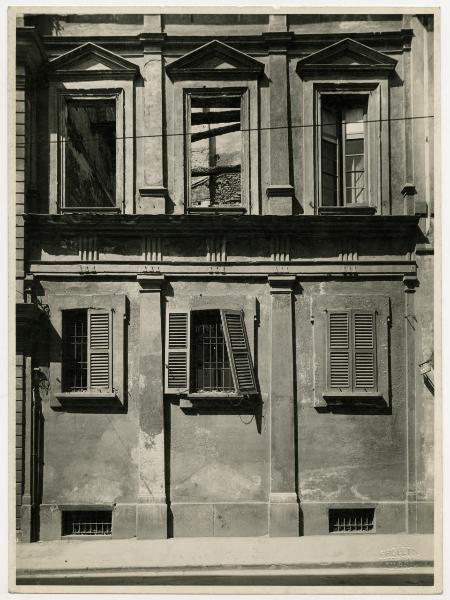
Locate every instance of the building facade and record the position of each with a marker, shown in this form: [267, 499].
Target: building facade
[224, 275]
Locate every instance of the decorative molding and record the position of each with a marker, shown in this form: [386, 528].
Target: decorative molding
[346, 56]
[278, 42]
[215, 60]
[152, 200]
[88, 249]
[348, 209]
[348, 249]
[216, 249]
[150, 282]
[152, 249]
[281, 284]
[71, 65]
[410, 283]
[280, 248]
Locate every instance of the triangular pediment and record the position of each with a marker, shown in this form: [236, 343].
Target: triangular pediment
[347, 56]
[90, 60]
[215, 60]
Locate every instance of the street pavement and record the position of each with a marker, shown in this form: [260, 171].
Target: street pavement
[348, 559]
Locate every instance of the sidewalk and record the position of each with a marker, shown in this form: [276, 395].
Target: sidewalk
[314, 560]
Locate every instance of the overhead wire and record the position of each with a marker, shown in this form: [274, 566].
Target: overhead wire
[86, 139]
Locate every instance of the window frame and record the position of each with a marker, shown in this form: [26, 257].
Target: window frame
[64, 97]
[116, 306]
[362, 95]
[354, 101]
[352, 388]
[321, 307]
[184, 344]
[243, 92]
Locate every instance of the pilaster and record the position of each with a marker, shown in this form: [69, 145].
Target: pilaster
[280, 193]
[283, 499]
[410, 282]
[152, 194]
[151, 519]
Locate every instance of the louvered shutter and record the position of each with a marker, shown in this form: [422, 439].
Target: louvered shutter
[339, 350]
[239, 351]
[99, 349]
[364, 351]
[177, 352]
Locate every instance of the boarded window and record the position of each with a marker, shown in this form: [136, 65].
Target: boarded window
[90, 153]
[215, 150]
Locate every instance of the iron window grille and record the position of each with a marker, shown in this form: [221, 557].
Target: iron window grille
[351, 520]
[75, 350]
[211, 363]
[87, 522]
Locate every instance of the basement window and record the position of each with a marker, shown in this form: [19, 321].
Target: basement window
[215, 150]
[351, 520]
[87, 522]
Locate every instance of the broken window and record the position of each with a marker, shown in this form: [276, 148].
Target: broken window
[215, 150]
[90, 153]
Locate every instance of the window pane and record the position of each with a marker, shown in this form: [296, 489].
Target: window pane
[354, 125]
[216, 141]
[329, 122]
[329, 174]
[90, 153]
[211, 365]
[74, 355]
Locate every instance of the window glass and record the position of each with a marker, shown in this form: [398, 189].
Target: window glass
[74, 355]
[343, 148]
[215, 150]
[90, 153]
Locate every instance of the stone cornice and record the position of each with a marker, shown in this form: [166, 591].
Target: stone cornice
[256, 45]
[233, 225]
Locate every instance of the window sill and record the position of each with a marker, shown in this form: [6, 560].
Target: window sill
[351, 398]
[211, 399]
[349, 209]
[216, 210]
[85, 401]
[90, 209]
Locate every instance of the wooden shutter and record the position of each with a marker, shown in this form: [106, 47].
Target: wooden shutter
[177, 352]
[364, 350]
[239, 351]
[338, 350]
[99, 349]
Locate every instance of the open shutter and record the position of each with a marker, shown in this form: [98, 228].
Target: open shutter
[177, 352]
[99, 349]
[239, 351]
[364, 349]
[338, 350]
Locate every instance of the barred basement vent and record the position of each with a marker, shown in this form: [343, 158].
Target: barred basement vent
[86, 522]
[351, 520]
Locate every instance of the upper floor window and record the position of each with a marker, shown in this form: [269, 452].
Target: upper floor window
[215, 149]
[216, 104]
[345, 160]
[343, 151]
[90, 153]
[91, 125]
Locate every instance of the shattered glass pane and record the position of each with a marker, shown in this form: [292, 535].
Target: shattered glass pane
[216, 151]
[90, 153]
